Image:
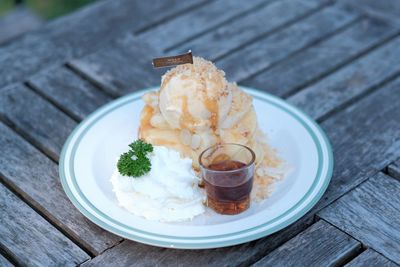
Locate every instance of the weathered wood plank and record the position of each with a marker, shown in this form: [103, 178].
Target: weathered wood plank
[370, 213]
[394, 169]
[82, 32]
[35, 178]
[128, 253]
[115, 70]
[125, 66]
[316, 61]
[72, 94]
[125, 253]
[319, 245]
[361, 148]
[122, 68]
[240, 255]
[4, 262]
[370, 258]
[330, 93]
[31, 239]
[192, 24]
[263, 53]
[40, 122]
[387, 9]
[246, 28]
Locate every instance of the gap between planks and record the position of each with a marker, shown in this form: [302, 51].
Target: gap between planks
[317, 217]
[93, 82]
[393, 169]
[31, 87]
[204, 32]
[364, 247]
[29, 84]
[323, 244]
[68, 29]
[8, 255]
[355, 253]
[297, 52]
[29, 201]
[347, 62]
[26, 137]
[375, 13]
[358, 194]
[170, 17]
[273, 31]
[358, 97]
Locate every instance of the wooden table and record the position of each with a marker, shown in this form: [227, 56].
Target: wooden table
[339, 61]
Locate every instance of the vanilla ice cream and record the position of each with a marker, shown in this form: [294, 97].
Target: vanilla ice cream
[169, 192]
[194, 96]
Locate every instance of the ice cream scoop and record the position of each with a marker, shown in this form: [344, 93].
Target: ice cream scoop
[194, 96]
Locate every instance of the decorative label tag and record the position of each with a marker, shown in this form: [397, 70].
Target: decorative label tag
[162, 62]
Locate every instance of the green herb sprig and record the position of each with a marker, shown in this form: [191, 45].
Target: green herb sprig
[135, 162]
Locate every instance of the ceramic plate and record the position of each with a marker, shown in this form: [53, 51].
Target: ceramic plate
[89, 157]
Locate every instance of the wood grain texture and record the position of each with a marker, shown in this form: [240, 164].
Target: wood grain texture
[319, 245]
[244, 29]
[35, 177]
[74, 95]
[192, 24]
[370, 258]
[38, 121]
[394, 169]
[82, 32]
[4, 262]
[370, 213]
[361, 147]
[128, 253]
[349, 82]
[115, 70]
[126, 65]
[121, 68]
[387, 9]
[125, 254]
[316, 61]
[31, 239]
[263, 53]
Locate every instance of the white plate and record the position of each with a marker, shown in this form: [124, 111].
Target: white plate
[89, 155]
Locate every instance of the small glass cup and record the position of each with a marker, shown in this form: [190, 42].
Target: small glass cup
[227, 171]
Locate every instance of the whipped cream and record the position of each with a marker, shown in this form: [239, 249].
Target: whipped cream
[168, 193]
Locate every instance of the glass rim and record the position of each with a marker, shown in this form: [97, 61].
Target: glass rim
[248, 165]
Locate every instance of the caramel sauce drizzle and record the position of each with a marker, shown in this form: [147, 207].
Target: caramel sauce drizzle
[186, 120]
[145, 124]
[212, 106]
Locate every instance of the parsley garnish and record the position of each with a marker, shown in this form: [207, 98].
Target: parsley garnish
[135, 162]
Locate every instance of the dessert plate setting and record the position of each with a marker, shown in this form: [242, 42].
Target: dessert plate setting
[90, 154]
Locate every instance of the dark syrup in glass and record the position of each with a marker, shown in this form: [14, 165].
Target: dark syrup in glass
[228, 192]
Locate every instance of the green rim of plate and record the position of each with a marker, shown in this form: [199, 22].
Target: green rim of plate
[178, 242]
